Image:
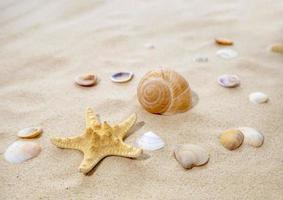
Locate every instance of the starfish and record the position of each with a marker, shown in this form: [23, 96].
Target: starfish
[99, 141]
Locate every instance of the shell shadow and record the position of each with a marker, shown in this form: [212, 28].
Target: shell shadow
[195, 98]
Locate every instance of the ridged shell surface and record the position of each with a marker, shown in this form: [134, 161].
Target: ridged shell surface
[190, 155]
[164, 92]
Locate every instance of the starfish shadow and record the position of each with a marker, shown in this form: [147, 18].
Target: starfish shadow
[136, 127]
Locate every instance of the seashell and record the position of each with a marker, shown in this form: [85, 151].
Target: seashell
[122, 77]
[190, 155]
[21, 151]
[226, 53]
[150, 141]
[200, 59]
[277, 48]
[164, 92]
[252, 136]
[258, 97]
[225, 42]
[231, 139]
[29, 132]
[86, 80]
[228, 80]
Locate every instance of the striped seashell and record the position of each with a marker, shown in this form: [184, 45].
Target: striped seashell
[164, 92]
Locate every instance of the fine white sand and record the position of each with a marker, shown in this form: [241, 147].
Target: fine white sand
[45, 44]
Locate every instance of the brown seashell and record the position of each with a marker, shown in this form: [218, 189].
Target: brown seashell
[277, 48]
[164, 92]
[225, 42]
[86, 80]
[231, 139]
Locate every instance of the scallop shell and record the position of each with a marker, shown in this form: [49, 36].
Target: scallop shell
[277, 48]
[252, 136]
[227, 53]
[222, 41]
[150, 141]
[86, 80]
[190, 155]
[122, 77]
[21, 151]
[231, 139]
[228, 80]
[164, 92]
[29, 132]
[258, 97]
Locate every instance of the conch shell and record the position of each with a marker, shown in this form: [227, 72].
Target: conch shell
[164, 92]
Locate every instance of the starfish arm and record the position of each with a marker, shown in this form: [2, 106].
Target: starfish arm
[88, 163]
[128, 151]
[126, 125]
[68, 143]
[91, 119]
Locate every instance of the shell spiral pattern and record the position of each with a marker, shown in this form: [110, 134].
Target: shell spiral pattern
[164, 92]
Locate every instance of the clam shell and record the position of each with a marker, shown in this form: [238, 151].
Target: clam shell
[222, 41]
[231, 139]
[164, 92]
[190, 155]
[258, 97]
[86, 80]
[227, 53]
[21, 151]
[252, 136]
[150, 141]
[277, 48]
[29, 132]
[228, 80]
[122, 77]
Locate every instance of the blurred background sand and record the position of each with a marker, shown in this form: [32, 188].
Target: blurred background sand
[45, 44]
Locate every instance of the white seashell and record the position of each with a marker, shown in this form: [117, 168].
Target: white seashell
[122, 77]
[150, 141]
[86, 80]
[190, 155]
[21, 151]
[149, 46]
[228, 80]
[227, 53]
[252, 136]
[29, 132]
[258, 97]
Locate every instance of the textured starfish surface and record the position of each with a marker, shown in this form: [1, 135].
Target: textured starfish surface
[99, 141]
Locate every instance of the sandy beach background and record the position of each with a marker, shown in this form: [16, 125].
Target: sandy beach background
[45, 44]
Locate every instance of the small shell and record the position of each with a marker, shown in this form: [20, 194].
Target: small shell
[86, 80]
[122, 77]
[222, 41]
[190, 155]
[277, 48]
[258, 97]
[164, 92]
[231, 139]
[252, 136]
[227, 53]
[150, 141]
[21, 151]
[228, 80]
[29, 132]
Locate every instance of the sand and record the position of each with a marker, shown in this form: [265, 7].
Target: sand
[44, 45]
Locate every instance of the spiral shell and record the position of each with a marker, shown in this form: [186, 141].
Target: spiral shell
[164, 92]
